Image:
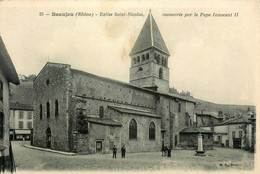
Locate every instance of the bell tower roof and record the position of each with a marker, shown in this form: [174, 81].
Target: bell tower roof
[149, 37]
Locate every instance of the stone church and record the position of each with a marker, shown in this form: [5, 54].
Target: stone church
[76, 111]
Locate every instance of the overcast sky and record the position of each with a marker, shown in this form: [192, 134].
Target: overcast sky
[215, 58]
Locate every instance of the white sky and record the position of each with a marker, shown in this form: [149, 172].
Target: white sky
[216, 58]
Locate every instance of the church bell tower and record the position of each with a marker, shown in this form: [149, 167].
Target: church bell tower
[149, 59]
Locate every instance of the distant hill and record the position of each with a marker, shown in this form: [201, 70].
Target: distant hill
[228, 111]
[225, 109]
[22, 93]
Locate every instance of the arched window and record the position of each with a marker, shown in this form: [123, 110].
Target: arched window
[40, 111]
[162, 61]
[158, 59]
[1, 125]
[133, 129]
[101, 111]
[56, 108]
[48, 109]
[140, 69]
[147, 56]
[152, 131]
[179, 108]
[47, 82]
[138, 59]
[143, 58]
[155, 57]
[161, 73]
[134, 60]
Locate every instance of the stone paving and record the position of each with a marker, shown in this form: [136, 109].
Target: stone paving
[220, 159]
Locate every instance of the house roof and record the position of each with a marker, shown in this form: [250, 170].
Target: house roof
[7, 65]
[240, 120]
[196, 130]
[149, 37]
[128, 110]
[103, 121]
[209, 114]
[20, 106]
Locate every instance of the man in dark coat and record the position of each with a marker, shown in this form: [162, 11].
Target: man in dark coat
[114, 151]
[162, 150]
[165, 150]
[123, 151]
[169, 152]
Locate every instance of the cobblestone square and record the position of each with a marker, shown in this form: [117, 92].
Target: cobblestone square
[219, 159]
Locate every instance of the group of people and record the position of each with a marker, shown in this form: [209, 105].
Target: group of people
[166, 151]
[122, 151]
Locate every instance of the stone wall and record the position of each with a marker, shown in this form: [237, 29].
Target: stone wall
[102, 89]
[5, 107]
[142, 143]
[86, 143]
[52, 84]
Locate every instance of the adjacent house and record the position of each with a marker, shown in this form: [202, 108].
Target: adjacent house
[7, 75]
[205, 118]
[234, 133]
[21, 111]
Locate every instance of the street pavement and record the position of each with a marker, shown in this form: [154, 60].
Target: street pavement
[219, 159]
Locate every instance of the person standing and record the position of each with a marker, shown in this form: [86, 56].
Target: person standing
[165, 151]
[169, 152]
[114, 151]
[162, 150]
[123, 151]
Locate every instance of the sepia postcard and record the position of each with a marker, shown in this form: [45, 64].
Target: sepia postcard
[129, 86]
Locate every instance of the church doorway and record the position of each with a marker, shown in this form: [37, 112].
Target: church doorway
[98, 146]
[48, 137]
[237, 143]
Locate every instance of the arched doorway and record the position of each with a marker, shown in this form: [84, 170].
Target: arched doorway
[48, 137]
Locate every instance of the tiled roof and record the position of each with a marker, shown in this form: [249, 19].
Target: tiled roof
[240, 120]
[20, 106]
[134, 111]
[149, 36]
[104, 121]
[7, 65]
[192, 129]
[210, 114]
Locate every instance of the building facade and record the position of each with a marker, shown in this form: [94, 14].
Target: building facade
[234, 133]
[207, 119]
[21, 111]
[21, 121]
[84, 113]
[7, 75]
